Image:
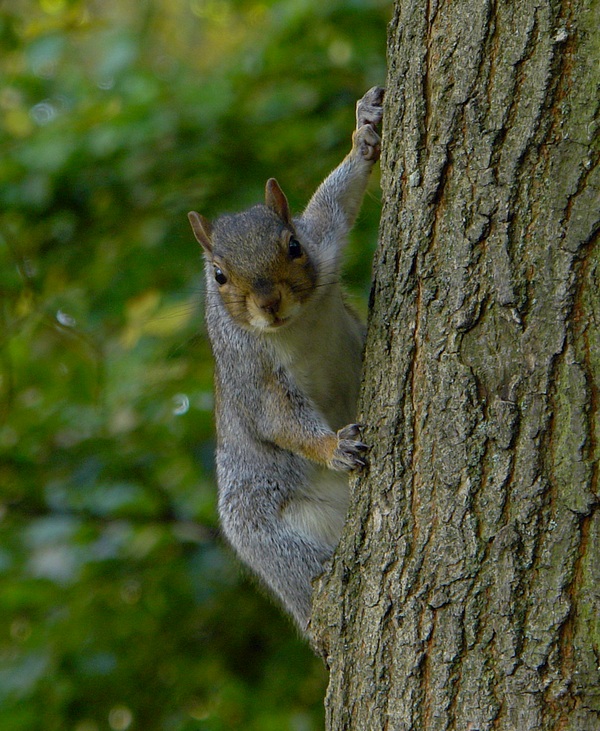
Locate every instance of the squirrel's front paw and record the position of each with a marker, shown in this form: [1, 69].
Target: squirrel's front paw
[369, 109]
[369, 113]
[350, 452]
[367, 142]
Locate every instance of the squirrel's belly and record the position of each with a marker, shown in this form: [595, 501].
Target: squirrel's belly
[319, 510]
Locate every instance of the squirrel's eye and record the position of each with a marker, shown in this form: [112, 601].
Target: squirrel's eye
[294, 248]
[220, 276]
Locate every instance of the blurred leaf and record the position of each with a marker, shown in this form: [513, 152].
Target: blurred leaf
[121, 607]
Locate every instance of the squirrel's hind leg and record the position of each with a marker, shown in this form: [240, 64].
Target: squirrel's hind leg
[286, 560]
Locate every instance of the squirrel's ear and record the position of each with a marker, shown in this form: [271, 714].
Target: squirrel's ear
[276, 200]
[202, 229]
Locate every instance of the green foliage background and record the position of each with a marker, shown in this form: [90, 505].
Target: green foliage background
[120, 606]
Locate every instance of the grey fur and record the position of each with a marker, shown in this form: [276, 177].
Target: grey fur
[283, 392]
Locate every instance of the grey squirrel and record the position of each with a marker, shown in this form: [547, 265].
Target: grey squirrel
[288, 356]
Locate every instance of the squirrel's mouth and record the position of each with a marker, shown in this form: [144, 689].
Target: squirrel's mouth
[270, 324]
[276, 323]
[274, 320]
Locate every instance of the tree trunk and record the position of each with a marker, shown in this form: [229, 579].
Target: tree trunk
[465, 593]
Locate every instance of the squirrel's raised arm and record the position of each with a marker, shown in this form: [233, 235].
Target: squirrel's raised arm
[334, 206]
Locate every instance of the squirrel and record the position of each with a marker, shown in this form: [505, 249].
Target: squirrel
[288, 358]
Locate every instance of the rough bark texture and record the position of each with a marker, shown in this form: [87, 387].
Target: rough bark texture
[466, 591]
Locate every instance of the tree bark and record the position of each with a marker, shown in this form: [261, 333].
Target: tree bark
[465, 593]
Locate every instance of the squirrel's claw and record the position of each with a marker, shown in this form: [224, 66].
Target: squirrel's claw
[350, 453]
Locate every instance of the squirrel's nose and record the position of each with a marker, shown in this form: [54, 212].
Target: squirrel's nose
[267, 297]
[269, 303]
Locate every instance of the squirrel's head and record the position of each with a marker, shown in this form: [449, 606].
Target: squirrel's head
[263, 273]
